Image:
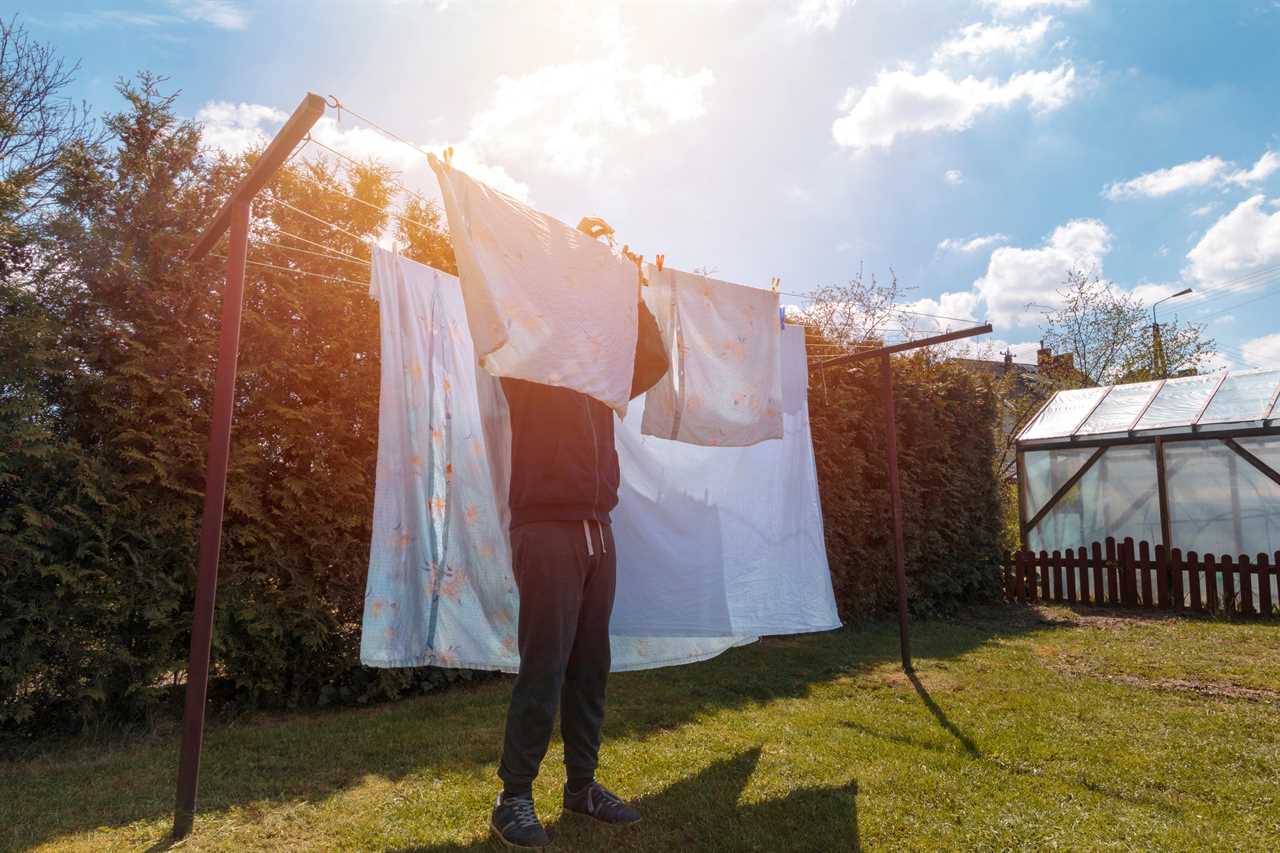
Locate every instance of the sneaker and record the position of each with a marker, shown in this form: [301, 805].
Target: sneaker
[516, 823]
[598, 802]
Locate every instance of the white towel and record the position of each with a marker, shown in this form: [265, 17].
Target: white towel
[545, 302]
[725, 383]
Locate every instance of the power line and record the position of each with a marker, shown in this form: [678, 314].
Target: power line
[1239, 284]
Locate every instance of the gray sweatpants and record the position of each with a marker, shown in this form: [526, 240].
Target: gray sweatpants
[565, 572]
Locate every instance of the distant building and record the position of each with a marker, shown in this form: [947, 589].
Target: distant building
[1029, 382]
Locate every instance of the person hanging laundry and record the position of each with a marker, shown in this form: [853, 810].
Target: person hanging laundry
[718, 544]
[546, 303]
[564, 483]
[725, 384]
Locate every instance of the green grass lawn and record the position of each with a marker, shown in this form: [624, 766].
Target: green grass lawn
[1026, 728]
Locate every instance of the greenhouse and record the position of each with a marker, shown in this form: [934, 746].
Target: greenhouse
[1191, 463]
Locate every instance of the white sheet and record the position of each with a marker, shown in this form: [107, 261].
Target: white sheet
[716, 546]
[724, 388]
[544, 301]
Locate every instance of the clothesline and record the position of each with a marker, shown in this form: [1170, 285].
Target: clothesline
[812, 356]
[334, 251]
[297, 272]
[324, 255]
[337, 104]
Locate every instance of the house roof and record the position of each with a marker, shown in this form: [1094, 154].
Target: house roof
[1168, 406]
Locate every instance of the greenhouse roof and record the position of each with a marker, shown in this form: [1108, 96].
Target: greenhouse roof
[1188, 404]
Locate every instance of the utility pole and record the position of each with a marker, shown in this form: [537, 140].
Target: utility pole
[1159, 364]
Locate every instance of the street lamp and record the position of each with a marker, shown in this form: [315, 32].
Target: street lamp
[1158, 363]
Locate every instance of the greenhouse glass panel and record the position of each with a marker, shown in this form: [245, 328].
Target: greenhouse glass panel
[1116, 497]
[1119, 409]
[1242, 397]
[1046, 471]
[1062, 414]
[1218, 502]
[1179, 402]
[1266, 448]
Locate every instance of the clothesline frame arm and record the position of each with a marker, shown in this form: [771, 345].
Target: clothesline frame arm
[878, 352]
[234, 216]
[304, 117]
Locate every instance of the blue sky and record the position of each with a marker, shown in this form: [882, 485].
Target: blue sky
[977, 148]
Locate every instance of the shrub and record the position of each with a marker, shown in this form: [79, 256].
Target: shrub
[950, 496]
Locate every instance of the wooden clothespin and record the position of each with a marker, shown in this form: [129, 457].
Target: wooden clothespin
[775, 283]
[448, 157]
[659, 261]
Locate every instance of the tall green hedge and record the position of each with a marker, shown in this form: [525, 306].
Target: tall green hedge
[946, 420]
[108, 340]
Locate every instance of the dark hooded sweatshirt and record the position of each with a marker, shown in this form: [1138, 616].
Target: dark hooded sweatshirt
[564, 466]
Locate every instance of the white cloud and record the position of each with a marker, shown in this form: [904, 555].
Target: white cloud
[903, 102]
[947, 308]
[563, 116]
[971, 245]
[1162, 182]
[813, 15]
[1267, 165]
[1263, 351]
[236, 128]
[955, 177]
[1193, 174]
[222, 14]
[1010, 8]
[1241, 241]
[1205, 209]
[977, 41]
[1016, 277]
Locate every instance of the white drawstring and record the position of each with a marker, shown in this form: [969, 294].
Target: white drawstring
[586, 532]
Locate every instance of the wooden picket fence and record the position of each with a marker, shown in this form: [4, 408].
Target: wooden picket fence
[1125, 575]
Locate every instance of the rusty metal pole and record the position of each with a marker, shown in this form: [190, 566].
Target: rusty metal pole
[895, 501]
[211, 523]
[233, 216]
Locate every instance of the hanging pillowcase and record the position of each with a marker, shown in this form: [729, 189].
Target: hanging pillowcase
[724, 341]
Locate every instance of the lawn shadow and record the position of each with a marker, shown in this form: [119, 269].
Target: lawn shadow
[311, 756]
[705, 812]
[938, 714]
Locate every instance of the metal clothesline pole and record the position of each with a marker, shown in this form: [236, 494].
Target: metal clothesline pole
[891, 460]
[233, 216]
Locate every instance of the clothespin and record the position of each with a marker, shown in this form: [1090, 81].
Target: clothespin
[659, 261]
[775, 283]
[448, 157]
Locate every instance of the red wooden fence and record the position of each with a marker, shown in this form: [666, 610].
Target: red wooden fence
[1126, 575]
